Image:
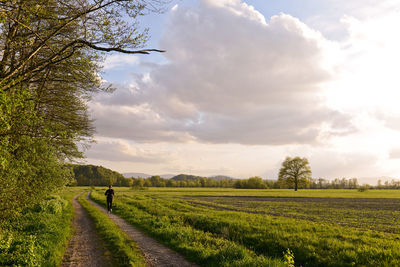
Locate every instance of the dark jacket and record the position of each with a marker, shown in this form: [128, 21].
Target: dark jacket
[110, 194]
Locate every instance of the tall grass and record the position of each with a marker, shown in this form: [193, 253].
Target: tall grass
[169, 216]
[199, 246]
[39, 236]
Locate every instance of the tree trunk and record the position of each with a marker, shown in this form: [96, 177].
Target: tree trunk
[295, 184]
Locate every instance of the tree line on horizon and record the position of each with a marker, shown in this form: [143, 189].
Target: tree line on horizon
[91, 175]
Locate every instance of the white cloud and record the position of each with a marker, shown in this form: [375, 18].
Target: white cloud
[329, 12]
[122, 151]
[238, 93]
[230, 78]
[119, 61]
[395, 153]
[175, 7]
[367, 79]
[238, 8]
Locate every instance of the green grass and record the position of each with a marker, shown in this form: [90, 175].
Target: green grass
[228, 226]
[314, 193]
[199, 246]
[125, 252]
[40, 235]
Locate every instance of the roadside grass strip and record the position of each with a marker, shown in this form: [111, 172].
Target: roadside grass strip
[125, 251]
[204, 248]
[39, 237]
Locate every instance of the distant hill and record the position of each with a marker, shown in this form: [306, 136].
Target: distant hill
[186, 177]
[167, 176]
[189, 177]
[136, 175]
[222, 177]
[98, 176]
[144, 175]
[179, 177]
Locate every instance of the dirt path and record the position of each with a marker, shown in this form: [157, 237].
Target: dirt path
[85, 247]
[155, 253]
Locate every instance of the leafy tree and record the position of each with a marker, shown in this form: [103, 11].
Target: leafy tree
[256, 182]
[172, 183]
[29, 165]
[99, 176]
[294, 172]
[251, 183]
[40, 34]
[147, 183]
[138, 182]
[50, 57]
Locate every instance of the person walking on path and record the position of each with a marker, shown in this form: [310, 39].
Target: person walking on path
[110, 195]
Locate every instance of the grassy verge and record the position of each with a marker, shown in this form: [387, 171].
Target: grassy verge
[40, 235]
[199, 246]
[125, 252]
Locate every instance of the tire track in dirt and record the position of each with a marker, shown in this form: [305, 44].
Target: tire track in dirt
[155, 253]
[85, 247]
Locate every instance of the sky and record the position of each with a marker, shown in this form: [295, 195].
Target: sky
[244, 84]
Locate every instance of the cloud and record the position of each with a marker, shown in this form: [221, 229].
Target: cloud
[394, 153]
[119, 61]
[334, 164]
[229, 78]
[138, 123]
[236, 93]
[120, 151]
[368, 80]
[326, 14]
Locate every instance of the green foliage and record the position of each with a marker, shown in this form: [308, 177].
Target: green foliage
[336, 183]
[288, 258]
[182, 180]
[363, 188]
[251, 183]
[91, 175]
[125, 252]
[49, 68]
[186, 177]
[40, 236]
[295, 172]
[30, 165]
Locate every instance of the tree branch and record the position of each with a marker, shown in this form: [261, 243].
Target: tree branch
[116, 49]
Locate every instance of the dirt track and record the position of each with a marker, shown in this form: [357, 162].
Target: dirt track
[155, 253]
[85, 248]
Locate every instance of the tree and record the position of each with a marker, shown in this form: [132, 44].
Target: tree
[251, 183]
[52, 49]
[50, 58]
[294, 172]
[40, 34]
[138, 182]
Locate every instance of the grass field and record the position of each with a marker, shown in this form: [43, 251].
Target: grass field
[216, 227]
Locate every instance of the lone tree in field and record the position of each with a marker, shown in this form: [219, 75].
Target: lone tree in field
[294, 172]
